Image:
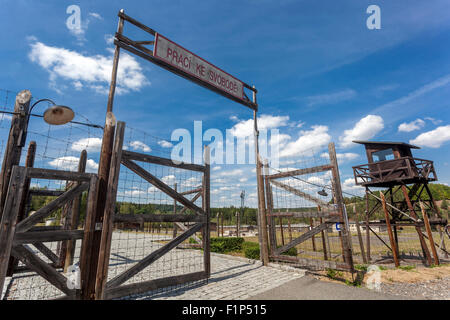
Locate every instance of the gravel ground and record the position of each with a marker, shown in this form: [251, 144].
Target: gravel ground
[438, 289]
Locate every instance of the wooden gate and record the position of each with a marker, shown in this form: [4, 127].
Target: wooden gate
[116, 287]
[327, 213]
[17, 234]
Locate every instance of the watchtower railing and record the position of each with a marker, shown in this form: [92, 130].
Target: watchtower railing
[405, 168]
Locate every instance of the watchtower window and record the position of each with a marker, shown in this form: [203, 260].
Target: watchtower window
[383, 155]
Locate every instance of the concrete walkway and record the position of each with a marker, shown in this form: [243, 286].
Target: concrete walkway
[309, 288]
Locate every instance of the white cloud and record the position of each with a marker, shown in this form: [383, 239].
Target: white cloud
[165, 144]
[365, 129]
[331, 98]
[350, 187]
[348, 156]
[411, 126]
[80, 70]
[315, 138]
[139, 145]
[170, 179]
[88, 144]
[95, 15]
[434, 138]
[245, 128]
[70, 163]
[433, 120]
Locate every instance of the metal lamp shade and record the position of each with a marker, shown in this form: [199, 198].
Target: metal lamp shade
[323, 193]
[58, 115]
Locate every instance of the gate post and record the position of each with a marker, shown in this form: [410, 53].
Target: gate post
[13, 149]
[206, 207]
[339, 201]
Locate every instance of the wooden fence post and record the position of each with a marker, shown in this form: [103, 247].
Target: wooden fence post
[9, 219]
[13, 150]
[430, 234]
[388, 225]
[75, 216]
[108, 216]
[206, 207]
[29, 163]
[358, 229]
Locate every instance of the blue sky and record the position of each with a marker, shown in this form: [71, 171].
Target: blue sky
[320, 72]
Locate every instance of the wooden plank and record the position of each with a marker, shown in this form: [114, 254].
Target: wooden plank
[42, 268]
[152, 257]
[191, 191]
[430, 234]
[88, 267]
[159, 218]
[29, 163]
[299, 172]
[358, 230]
[109, 216]
[312, 214]
[75, 215]
[269, 212]
[16, 139]
[43, 212]
[206, 208]
[46, 252]
[47, 236]
[9, 218]
[423, 244]
[305, 236]
[50, 174]
[313, 262]
[194, 236]
[130, 155]
[299, 193]
[388, 225]
[45, 193]
[161, 185]
[142, 287]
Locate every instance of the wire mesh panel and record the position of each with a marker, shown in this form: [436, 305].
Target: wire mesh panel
[135, 240]
[306, 226]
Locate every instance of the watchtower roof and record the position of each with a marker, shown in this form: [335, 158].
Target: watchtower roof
[386, 143]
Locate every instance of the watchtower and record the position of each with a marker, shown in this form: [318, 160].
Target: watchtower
[391, 166]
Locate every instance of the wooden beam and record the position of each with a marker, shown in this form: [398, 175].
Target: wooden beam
[47, 236]
[388, 225]
[43, 212]
[191, 191]
[299, 172]
[320, 214]
[45, 193]
[16, 138]
[9, 218]
[299, 193]
[109, 216]
[206, 208]
[430, 234]
[152, 257]
[305, 236]
[313, 262]
[50, 174]
[46, 252]
[159, 218]
[129, 155]
[161, 185]
[39, 266]
[75, 215]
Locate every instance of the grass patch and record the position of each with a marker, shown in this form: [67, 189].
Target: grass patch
[406, 268]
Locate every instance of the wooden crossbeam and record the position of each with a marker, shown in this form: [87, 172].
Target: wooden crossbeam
[320, 214]
[299, 193]
[299, 172]
[43, 212]
[161, 185]
[159, 218]
[152, 257]
[38, 265]
[47, 236]
[130, 155]
[305, 236]
[46, 252]
[50, 174]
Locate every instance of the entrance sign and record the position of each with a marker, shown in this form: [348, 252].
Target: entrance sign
[183, 59]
